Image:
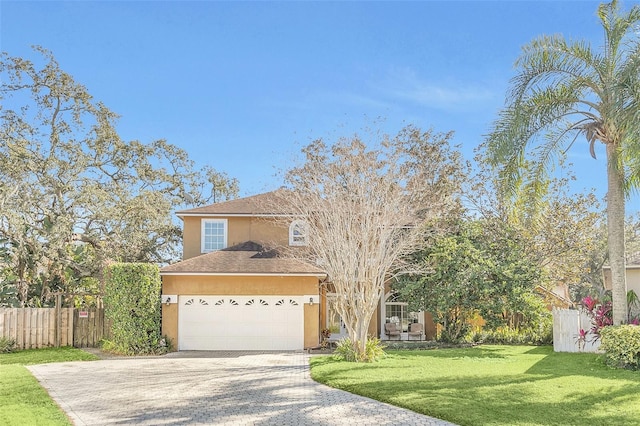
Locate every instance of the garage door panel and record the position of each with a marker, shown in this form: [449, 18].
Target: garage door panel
[241, 323]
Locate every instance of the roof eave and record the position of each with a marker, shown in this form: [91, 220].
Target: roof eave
[246, 274]
[180, 214]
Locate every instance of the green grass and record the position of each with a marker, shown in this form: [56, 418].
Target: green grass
[494, 385]
[22, 400]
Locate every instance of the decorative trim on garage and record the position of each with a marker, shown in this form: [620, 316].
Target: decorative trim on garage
[241, 323]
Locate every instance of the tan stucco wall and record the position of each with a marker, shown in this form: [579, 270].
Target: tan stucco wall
[238, 285]
[240, 230]
[311, 325]
[633, 281]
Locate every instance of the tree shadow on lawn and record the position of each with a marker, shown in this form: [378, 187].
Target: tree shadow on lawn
[561, 364]
[557, 388]
[504, 400]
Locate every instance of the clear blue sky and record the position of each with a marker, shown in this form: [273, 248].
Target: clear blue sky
[242, 86]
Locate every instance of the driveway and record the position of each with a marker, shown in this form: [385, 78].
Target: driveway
[215, 388]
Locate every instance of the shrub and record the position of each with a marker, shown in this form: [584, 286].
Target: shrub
[621, 344]
[601, 315]
[508, 336]
[132, 303]
[396, 345]
[374, 350]
[7, 345]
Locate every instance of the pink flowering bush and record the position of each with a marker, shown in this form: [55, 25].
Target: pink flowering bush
[601, 315]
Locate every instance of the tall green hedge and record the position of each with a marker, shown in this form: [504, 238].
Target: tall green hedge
[132, 303]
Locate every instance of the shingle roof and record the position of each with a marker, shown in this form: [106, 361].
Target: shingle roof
[261, 204]
[247, 258]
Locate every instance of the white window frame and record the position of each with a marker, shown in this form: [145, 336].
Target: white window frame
[203, 223]
[406, 317]
[302, 227]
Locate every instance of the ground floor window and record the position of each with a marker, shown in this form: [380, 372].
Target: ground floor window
[398, 312]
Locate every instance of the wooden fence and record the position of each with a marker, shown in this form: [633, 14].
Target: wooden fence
[566, 330]
[89, 327]
[44, 327]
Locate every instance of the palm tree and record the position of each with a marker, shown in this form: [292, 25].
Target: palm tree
[565, 91]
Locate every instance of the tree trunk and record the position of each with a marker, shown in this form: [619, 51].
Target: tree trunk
[615, 232]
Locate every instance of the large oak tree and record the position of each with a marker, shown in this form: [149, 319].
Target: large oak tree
[73, 194]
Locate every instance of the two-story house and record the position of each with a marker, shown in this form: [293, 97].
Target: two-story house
[230, 292]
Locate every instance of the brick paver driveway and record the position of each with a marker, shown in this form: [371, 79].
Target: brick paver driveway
[210, 388]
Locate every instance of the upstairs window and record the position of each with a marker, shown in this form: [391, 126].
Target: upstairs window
[298, 233]
[214, 234]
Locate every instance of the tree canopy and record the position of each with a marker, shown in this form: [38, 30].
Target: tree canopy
[564, 92]
[366, 203]
[479, 267]
[73, 194]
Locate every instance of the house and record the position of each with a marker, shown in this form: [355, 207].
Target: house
[632, 276]
[232, 292]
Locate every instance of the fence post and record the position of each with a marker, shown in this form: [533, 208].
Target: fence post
[58, 319]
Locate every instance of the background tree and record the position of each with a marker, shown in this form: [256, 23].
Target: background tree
[72, 193]
[565, 90]
[481, 268]
[365, 207]
[561, 232]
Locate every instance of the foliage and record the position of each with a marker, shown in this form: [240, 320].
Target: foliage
[633, 302]
[476, 268]
[621, 344]
[365, 204]
[509, 336]
[346, 350]
[325, 335]
[132, 303]
[73, 194]
[395, 345]
[22, 399]
[564, 91]
[601, 315]
[7, 345]
[494, 385]
[557, 232]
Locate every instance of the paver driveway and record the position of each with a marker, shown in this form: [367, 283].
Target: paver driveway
[217, 388]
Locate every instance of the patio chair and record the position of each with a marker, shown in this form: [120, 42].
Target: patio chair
[392, 330]
[415, 330]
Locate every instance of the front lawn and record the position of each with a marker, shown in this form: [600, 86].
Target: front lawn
[494, 385]
[22, 399]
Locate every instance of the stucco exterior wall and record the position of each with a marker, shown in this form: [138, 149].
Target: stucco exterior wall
[240, 229]
[633, 281]
[240, 285]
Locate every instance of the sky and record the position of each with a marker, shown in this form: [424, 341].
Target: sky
[243, 86]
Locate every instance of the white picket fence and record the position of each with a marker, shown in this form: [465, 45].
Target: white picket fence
[566, 330]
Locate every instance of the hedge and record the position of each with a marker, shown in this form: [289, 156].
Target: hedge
[132, 303]
[621, 344]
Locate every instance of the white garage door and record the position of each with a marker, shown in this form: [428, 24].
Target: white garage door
[240, 323]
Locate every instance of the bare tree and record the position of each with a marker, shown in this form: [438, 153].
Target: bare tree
[366, 208]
